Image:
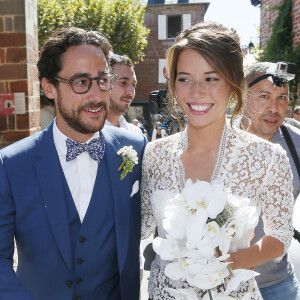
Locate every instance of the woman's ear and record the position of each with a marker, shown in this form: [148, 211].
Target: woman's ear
[49, 89]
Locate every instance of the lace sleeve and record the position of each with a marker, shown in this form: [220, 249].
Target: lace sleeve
[277, 201]
[148, 221]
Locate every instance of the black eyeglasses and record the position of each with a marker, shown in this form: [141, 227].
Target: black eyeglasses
[83, 84]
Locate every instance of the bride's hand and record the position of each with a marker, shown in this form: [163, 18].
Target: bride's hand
[239, 261]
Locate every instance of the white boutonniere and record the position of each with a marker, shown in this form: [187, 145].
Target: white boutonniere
[130, 159]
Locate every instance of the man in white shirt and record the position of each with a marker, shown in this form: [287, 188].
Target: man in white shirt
[69, 194]
[123, 93]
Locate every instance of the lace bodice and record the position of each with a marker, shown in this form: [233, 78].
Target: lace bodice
[249, 166]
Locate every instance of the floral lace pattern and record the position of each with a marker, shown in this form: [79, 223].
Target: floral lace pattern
[249, 166]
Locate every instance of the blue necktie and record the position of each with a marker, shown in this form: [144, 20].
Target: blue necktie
[95, 148]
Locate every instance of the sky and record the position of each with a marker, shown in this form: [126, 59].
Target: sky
[238, 14]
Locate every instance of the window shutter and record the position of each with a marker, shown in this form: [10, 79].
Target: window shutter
[162, 27]
[186, 21]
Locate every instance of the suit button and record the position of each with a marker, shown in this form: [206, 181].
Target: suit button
[79, 261]
[77, 298]
[81, 239]
[69, 283]
[78, 280]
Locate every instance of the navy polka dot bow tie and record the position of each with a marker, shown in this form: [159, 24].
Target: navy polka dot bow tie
[95, 148]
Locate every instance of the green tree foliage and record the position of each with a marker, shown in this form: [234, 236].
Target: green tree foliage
[121, 21]
[280, 45]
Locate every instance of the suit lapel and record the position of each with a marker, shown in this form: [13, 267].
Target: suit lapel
[49, 174]
[120, 191]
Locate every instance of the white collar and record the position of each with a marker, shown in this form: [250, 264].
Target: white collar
[122, 122]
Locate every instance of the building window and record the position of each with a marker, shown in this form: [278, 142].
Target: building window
[174, 26]
[170, 26]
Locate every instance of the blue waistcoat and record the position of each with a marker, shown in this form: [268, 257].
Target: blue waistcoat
[97, 229]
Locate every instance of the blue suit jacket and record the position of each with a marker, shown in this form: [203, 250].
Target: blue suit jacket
[32, 209]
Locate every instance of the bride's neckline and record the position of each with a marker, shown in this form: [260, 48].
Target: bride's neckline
[220, 154]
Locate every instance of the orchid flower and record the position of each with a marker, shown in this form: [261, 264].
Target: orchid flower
[175, 218]
[204, 196]
[209, 275]
[167, 249]
[239, 275]
[179, 269]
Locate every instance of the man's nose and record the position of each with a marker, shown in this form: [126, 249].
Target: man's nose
[130, 89]
[273, 104]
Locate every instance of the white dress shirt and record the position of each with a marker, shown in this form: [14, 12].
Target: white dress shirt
[80, 172]
[124, 124]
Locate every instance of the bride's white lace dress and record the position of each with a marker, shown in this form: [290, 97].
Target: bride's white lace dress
[249, 166]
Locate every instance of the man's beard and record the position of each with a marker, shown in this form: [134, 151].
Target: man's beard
[118, 108]
[73, 119]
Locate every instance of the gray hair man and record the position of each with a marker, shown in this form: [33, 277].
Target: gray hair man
[296, 113]
[264, 116]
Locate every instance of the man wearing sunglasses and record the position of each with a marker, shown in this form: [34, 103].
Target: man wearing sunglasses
[264, 115]
[74, 213]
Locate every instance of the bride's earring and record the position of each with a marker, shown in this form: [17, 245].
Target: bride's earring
[233, 99]
[175, 103]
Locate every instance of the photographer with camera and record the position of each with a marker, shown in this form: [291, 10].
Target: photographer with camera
[158, 131]
[264, 114]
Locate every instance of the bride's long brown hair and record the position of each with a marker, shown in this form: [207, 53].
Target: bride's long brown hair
[220, 46]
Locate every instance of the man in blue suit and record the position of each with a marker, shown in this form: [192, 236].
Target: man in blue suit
[65, 196]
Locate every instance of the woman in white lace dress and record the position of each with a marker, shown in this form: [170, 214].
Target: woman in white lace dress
[205, 68]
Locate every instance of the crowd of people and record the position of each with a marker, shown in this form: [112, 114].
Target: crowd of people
[78, 196]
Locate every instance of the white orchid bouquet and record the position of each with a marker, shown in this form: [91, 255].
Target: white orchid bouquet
[202, 224]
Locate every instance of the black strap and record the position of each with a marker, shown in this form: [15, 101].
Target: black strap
[256, 80]
[296, 235]
[291, 146]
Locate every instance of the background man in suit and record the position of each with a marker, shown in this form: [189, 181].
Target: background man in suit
[264, 116]
[123, 92]
[75, 221]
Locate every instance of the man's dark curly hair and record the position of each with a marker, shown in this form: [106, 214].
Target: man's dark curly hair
[49, 64]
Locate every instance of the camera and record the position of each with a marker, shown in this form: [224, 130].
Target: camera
[158, 100]
[279, 73]
[159, 106]
[285, 69]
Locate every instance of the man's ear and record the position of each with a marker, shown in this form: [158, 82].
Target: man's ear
[49, 89]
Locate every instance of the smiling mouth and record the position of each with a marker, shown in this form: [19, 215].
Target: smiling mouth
[200, 107]
[94, 110]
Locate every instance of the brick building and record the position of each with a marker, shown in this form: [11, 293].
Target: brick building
[268, 16]
[165, 18]
[18, 72]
